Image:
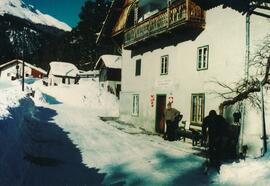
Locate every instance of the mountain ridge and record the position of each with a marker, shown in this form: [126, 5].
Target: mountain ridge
[28, 12]
[22, 36]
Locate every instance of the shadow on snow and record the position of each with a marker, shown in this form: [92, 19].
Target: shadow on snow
[187, 170]
[44, 155]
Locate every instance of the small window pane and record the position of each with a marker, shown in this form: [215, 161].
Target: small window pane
[138, 68]
[197, 112]
[135, 109]
[202, 62]
[164, 65]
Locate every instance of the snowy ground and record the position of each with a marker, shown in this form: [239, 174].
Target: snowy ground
[64, 142]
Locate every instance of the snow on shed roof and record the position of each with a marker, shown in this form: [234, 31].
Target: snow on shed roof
[59, 68]
[89, 72]
[25, 63]
[110, 61]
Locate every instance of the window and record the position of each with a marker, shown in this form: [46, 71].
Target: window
[138, 67]
[164, 65]
[135, 109]
[197, 110]
[202, 61]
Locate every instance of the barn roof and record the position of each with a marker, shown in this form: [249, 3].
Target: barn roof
[110, 61]
[59, 68]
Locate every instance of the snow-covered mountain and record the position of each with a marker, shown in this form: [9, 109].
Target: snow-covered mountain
[19, 9]
[24, 30]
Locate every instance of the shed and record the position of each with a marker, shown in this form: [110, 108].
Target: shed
[62, 73]
[109, 67]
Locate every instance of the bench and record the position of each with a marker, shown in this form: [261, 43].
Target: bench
[193, 133]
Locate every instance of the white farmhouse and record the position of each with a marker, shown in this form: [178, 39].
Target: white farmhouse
[62, 73]
[179, 54]
[109, 67]
[14, 69]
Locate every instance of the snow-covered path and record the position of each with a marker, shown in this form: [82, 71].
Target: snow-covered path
[123, 153]
[61, 141]
[126, 158]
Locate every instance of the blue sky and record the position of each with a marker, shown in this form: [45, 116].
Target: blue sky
[63, 10]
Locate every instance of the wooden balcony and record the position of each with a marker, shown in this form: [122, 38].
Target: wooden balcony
[180, 15]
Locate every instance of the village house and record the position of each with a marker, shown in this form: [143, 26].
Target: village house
[177, 51]
[109, 67]
[14, 70]
[62, 73]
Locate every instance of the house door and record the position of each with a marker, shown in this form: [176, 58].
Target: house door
[160, 107]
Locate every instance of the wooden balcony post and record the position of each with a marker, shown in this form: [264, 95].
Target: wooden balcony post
[168, 13]
[187, 10]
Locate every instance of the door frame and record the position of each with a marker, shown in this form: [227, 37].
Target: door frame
[157, 95]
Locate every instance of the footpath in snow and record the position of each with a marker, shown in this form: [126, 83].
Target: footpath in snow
[62, 141]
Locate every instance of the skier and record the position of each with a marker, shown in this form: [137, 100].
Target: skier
[217, 134]
[172, 117]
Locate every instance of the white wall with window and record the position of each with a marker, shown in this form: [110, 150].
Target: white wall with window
[185, 64]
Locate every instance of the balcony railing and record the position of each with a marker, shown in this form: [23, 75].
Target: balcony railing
[183, 13]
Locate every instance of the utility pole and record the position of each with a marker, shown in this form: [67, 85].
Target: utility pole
[22, 75]
[247, 59]
[22, 71]
[264, 136]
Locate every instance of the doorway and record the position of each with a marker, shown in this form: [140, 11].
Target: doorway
[160, 107]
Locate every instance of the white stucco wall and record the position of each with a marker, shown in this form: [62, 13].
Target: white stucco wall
[224, 33]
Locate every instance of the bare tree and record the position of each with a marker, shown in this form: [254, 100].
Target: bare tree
[246, 88]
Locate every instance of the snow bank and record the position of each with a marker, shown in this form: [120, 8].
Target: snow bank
[15, 108]
[251, 172]
[9, 95]
[85, 95]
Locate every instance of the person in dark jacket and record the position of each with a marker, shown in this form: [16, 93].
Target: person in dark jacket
[217, 132]
[172, 117]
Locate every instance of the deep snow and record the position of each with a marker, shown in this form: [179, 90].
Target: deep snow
[62, 141]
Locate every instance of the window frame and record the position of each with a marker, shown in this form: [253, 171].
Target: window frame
[206, 62]
[200, 109]
[166, 65]
[135, 104]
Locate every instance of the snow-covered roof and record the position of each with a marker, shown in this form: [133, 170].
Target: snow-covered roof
[63, 69]
[25, 63]
[20, 9]
[89, 72]
[110, 61]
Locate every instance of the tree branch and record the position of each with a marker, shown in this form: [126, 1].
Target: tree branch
[253, 87]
